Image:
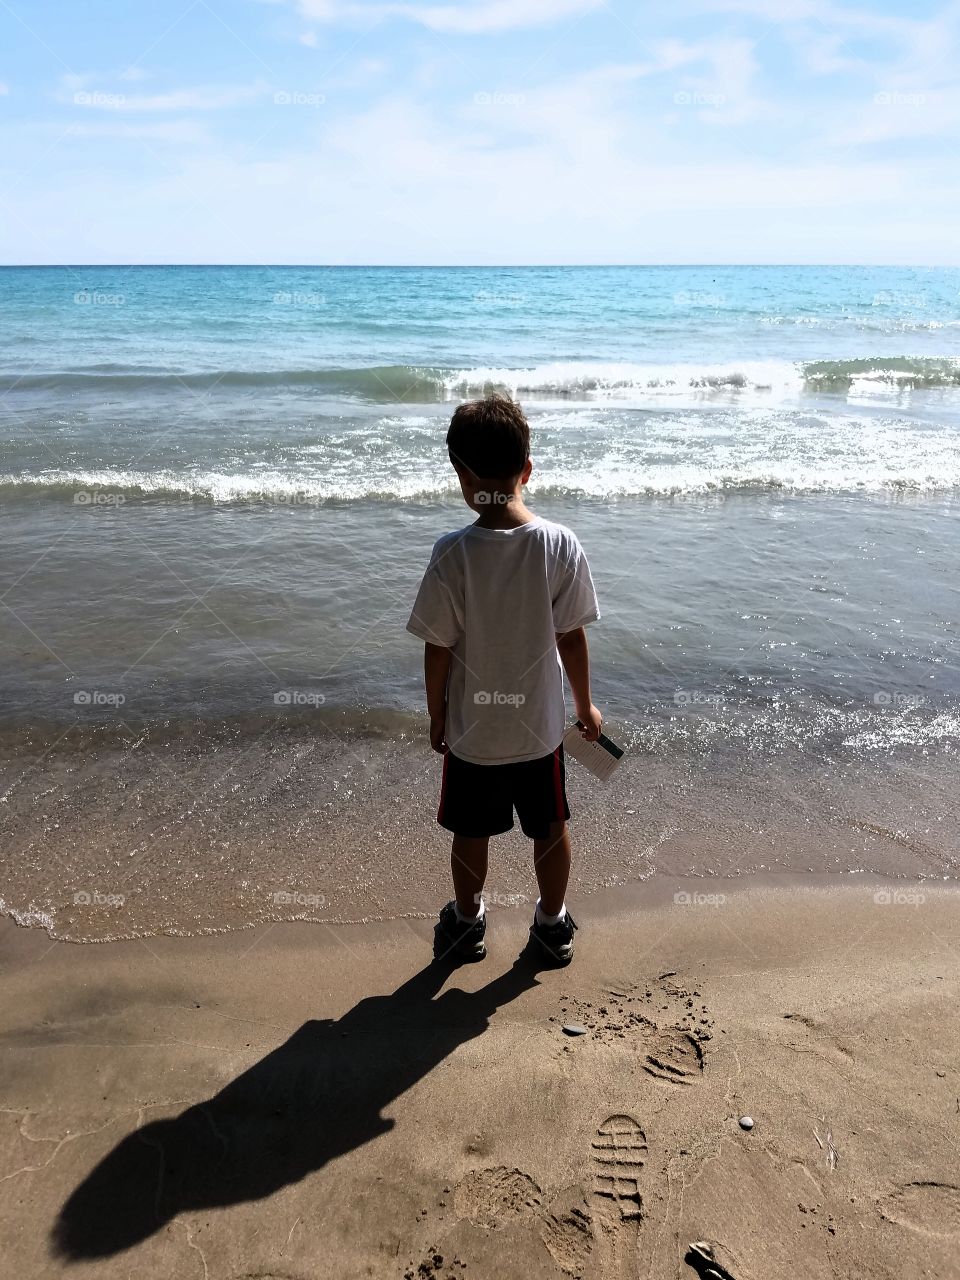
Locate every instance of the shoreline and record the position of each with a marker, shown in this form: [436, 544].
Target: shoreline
[658, 892]
[234, 1105]
[199, 833]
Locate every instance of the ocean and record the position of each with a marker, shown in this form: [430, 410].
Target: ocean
[220, 485]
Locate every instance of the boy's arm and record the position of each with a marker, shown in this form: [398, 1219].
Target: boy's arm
[436, 669]
[575, 656]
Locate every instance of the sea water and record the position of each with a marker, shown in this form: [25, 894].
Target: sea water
[220, 485]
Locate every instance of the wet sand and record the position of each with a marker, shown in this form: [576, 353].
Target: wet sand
[198, 827]
[310, 1100]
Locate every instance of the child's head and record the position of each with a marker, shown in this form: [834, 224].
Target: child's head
[489, 446]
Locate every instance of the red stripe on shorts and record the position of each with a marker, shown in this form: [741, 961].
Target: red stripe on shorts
[443, 787]
[558, 785]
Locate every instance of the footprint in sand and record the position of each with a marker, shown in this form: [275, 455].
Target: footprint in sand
[607, 1223]
[568, 1235]
[673, 1052]
[932, 1208]
[490, 1197]
[619, 1154]
[675, 1057]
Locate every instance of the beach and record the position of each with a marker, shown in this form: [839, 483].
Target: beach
[219, 487]
[300, 1100]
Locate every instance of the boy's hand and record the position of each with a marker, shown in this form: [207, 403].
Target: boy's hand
[590, 721]
[437, 730]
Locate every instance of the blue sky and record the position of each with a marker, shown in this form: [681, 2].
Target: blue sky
[479, 131]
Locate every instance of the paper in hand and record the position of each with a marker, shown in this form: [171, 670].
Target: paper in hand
[600, 757]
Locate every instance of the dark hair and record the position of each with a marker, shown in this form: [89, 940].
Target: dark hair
[489, 438]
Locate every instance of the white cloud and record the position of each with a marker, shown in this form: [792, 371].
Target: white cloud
[480, 17]
[357, 75]
[823, 53]
[724, 89]
[897, 114]
[203, 98]
[185, 132]
[4, 89]
[399, 183]
[784, 12]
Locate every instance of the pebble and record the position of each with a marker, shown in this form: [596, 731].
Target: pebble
[574, 1029]
[746, 1122]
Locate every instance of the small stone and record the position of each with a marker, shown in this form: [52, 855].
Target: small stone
[574, 1029]
[746, 1122]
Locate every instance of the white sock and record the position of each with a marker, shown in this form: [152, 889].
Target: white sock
[542, 917]
[471, 919]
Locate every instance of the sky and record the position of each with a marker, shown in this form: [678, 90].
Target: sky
[479, 131]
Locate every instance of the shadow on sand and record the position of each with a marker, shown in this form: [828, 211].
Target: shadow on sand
[317, 1096]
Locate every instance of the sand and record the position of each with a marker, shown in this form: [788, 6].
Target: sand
[303, 1101]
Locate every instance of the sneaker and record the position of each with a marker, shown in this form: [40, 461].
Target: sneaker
[463, 938]
[556, 939]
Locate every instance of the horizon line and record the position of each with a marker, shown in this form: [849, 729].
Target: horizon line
[474, 266]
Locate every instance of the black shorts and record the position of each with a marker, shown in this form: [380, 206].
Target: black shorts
[479, 799]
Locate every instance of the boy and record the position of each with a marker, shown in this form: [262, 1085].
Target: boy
[502, 605]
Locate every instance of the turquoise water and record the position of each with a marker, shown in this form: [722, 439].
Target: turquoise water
[155, 321]
[214, 480]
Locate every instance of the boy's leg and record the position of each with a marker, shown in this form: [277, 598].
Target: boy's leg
[551, 860]
[468, 863]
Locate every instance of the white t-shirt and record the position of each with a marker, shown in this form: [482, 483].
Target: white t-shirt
[497, 598]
